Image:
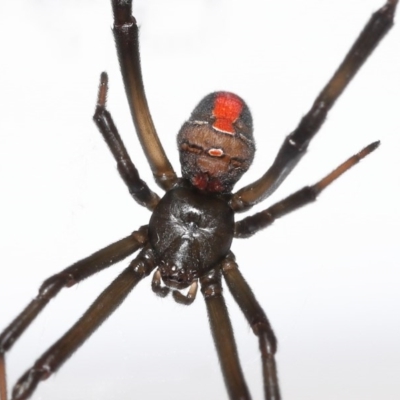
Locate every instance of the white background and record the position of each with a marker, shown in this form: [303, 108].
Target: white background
[328, 275]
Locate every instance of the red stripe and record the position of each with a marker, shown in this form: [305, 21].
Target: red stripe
[227, 109]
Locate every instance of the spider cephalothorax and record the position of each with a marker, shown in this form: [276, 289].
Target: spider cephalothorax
[183, 230]
[216, 144]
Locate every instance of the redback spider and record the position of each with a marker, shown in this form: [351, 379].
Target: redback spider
[319, 171]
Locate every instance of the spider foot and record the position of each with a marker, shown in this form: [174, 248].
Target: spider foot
[103, 90]
[28, 382]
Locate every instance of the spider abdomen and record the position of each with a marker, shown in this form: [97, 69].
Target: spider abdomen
[183, 231]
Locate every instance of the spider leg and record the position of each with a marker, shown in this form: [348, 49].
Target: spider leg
[3, 380]
[222, 333]
[258, 321]
[102, 118]
[66, 278]
[97, 313]
[295, 144]
[126, 39]
[252, 224]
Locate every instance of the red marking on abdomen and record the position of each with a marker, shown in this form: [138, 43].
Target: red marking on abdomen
[204, 182]
[227, 109]
[216, 152]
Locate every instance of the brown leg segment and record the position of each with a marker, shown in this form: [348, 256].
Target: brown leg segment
[126, 39]
[97, 313]
[3, 378]
[66, 278]
[222, 333]
[259, 323]
[295, 145]
[252, 224]
[102, 118]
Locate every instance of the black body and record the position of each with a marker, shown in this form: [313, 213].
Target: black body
[183, 232]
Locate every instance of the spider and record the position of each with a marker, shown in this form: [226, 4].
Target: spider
[210, 189]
